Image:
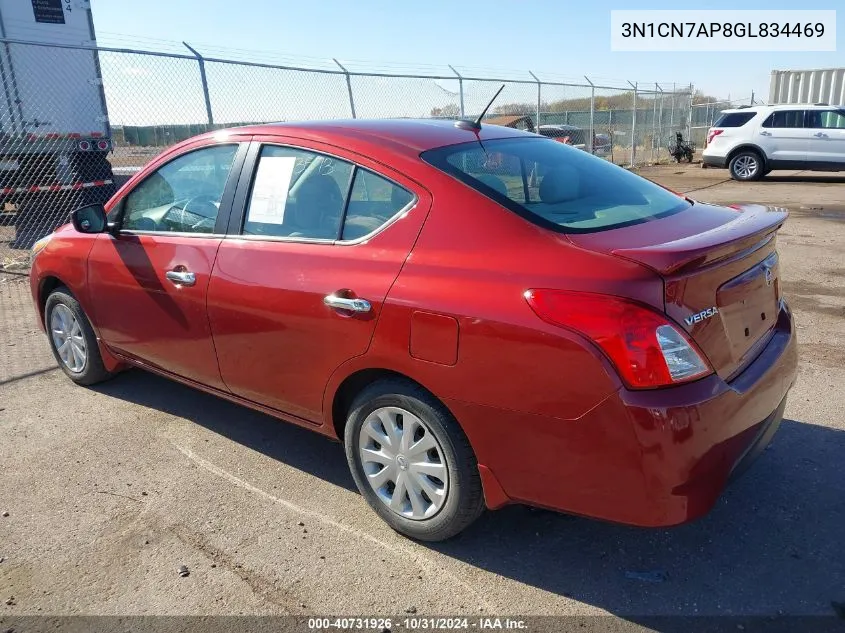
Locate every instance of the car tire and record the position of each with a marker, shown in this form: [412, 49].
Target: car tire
[72, 339]
[445, 505]
[746, 165]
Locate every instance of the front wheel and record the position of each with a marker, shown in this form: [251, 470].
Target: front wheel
[412, 462]
[746, 165]
[72, 339]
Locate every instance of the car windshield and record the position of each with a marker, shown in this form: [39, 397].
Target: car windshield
[559, 187]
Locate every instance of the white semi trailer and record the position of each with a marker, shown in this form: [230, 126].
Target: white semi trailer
[54, 129]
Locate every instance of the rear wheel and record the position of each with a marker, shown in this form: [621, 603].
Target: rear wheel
[412, 462]
[72, 339]
[746, 165]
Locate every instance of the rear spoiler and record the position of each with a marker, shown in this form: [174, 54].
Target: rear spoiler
[753, 226]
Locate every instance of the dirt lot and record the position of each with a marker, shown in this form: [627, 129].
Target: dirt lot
[109, 490]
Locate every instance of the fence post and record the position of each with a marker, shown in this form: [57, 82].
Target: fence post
[654, 126]
[460, 88]
[660, 117]
[634, 126]
[592, 114]
[689, 116]
[672, 113]
[348, 87]
[204, 81]
[539, 96]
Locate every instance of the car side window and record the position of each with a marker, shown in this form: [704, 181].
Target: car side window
[182, 196]
[297, 193]
[828, 119]
[373, 202]
[785, 119]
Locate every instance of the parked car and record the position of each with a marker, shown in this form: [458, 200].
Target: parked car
[602, 144]
[577, 137]
[593, 343]
[753, 141]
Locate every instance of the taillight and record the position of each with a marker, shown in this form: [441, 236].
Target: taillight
[647, 350]
[84, 146]
[712, 133]
[102, 145]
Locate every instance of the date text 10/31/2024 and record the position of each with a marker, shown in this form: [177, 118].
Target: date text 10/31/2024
[417, 624]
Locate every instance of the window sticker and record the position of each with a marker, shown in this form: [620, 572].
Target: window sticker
[270, 191]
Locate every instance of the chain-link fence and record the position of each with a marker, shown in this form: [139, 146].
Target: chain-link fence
[703, 115]
[76, 122]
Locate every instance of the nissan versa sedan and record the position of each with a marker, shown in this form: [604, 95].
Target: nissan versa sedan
[481, 315]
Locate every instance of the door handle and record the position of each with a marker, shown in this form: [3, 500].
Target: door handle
[765, 133]
[342, 303]
[820, 134]
[181, 277]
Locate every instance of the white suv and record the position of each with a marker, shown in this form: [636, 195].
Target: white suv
[753, 140]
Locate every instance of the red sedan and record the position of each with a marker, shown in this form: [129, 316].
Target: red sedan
[483, 316]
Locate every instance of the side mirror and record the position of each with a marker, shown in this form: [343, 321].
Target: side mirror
[89, 219]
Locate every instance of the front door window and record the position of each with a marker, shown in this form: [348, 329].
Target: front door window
[183, 196]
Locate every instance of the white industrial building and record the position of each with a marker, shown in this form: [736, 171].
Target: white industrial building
[826, 85]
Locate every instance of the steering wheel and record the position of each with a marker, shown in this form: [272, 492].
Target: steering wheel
[202, 205]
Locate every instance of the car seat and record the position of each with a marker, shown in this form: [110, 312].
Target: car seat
[317, 210]
[561, 184]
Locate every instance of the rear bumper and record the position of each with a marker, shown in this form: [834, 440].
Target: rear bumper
[648, 458]
[714, 161]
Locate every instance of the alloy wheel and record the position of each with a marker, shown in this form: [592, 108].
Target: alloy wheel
[68, 339]
[746, 166]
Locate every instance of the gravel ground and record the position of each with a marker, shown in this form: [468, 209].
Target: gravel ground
[110, 490]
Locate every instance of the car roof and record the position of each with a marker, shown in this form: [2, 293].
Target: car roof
[783, 106]
[411, 135]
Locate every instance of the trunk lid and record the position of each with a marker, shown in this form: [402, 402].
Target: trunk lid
[720, 271]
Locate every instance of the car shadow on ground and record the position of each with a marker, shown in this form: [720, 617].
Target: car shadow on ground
[805, 177]
[772, 544]
[301, 448]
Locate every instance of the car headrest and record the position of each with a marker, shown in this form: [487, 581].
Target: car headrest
[494, 182]
[399, 197]
[318, 207]
[561, 184]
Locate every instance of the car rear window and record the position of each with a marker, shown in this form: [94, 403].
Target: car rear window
[734, 119]
[556, 186]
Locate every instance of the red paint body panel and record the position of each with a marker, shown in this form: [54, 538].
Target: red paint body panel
[545, 411]
[266, 299]
[434, 338]
[710, 257]
[146, 316]
[67, 261]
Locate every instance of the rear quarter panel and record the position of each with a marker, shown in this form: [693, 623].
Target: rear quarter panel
[472, 262]
[533, 399]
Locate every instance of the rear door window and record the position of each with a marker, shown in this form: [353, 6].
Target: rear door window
[556, 186]
[785, 119]
[373, 202]
[299, 193]
[734, 119]
[828, 119]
